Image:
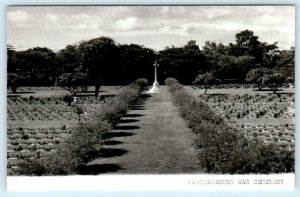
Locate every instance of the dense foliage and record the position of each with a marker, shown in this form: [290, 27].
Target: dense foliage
[223, 149]
[37, 65]
[207, 79]
[142, 82]
[72, 82]
[108, 63]
[256, 75]
[273, 81]
[14, 81]
[99, 59]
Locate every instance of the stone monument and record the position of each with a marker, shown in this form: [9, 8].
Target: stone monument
[155, 87]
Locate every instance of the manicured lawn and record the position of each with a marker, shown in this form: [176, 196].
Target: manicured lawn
[152, 138]
[41, 124]
[241, 106]
[44, 92]
[262, 114]
[47, 109]
[239, 91]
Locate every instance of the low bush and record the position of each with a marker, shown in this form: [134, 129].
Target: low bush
[86, 140]
[224, 149]
[68, 99]
[75, 152]
[31, 167]
[142, 82]
[169, 81]
[114, 108]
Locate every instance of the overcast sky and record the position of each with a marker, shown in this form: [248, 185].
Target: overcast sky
[154, 27]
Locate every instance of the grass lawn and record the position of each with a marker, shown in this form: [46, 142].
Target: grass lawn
[264, 121]
[240, 91]
[151, 138]
[41, 124]
[44, 92]
[233, 92]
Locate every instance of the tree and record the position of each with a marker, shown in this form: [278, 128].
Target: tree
[68, 59]
[14, 81]
[256, 75]
[99, 57]
[273, 81]
[269, 54]
[11, 59]
[192, 45]
[207, 79]
[211, 52]
[39, 64]
[182, 63]
[247, 43]
[286, 63]
[71, 82]
[234, 68]
[136, 62]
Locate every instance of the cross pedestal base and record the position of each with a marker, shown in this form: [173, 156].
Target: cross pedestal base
[155, 88]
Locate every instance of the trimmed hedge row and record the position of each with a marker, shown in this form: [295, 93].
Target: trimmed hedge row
[86, 140]
[224, 149]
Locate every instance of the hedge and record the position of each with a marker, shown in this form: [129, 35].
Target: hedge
[224, 149]
[86, 140]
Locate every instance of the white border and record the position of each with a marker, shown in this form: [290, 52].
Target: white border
[7, 181]
[153, 182]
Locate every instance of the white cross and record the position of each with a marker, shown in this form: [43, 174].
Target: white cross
[155, 72]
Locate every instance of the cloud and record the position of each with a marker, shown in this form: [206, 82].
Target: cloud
[56, 26]
[129, 23]
[193, 30]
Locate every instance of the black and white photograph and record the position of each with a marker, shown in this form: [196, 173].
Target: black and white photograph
[96, 91]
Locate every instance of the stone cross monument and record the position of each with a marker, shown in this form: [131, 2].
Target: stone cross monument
[155, 87]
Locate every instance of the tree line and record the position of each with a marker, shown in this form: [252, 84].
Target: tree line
[102, 61]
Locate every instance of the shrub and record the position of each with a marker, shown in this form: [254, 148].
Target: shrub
[78, 110]
[224, 149]
[68, 99]
[75, 152]
[116, 107]
[31, 167]
[142, 82]
[86, 140]
[169, 81]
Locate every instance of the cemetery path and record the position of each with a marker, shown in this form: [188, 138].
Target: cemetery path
[152, 138]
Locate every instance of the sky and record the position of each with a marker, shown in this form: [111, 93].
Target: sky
[151, 26]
